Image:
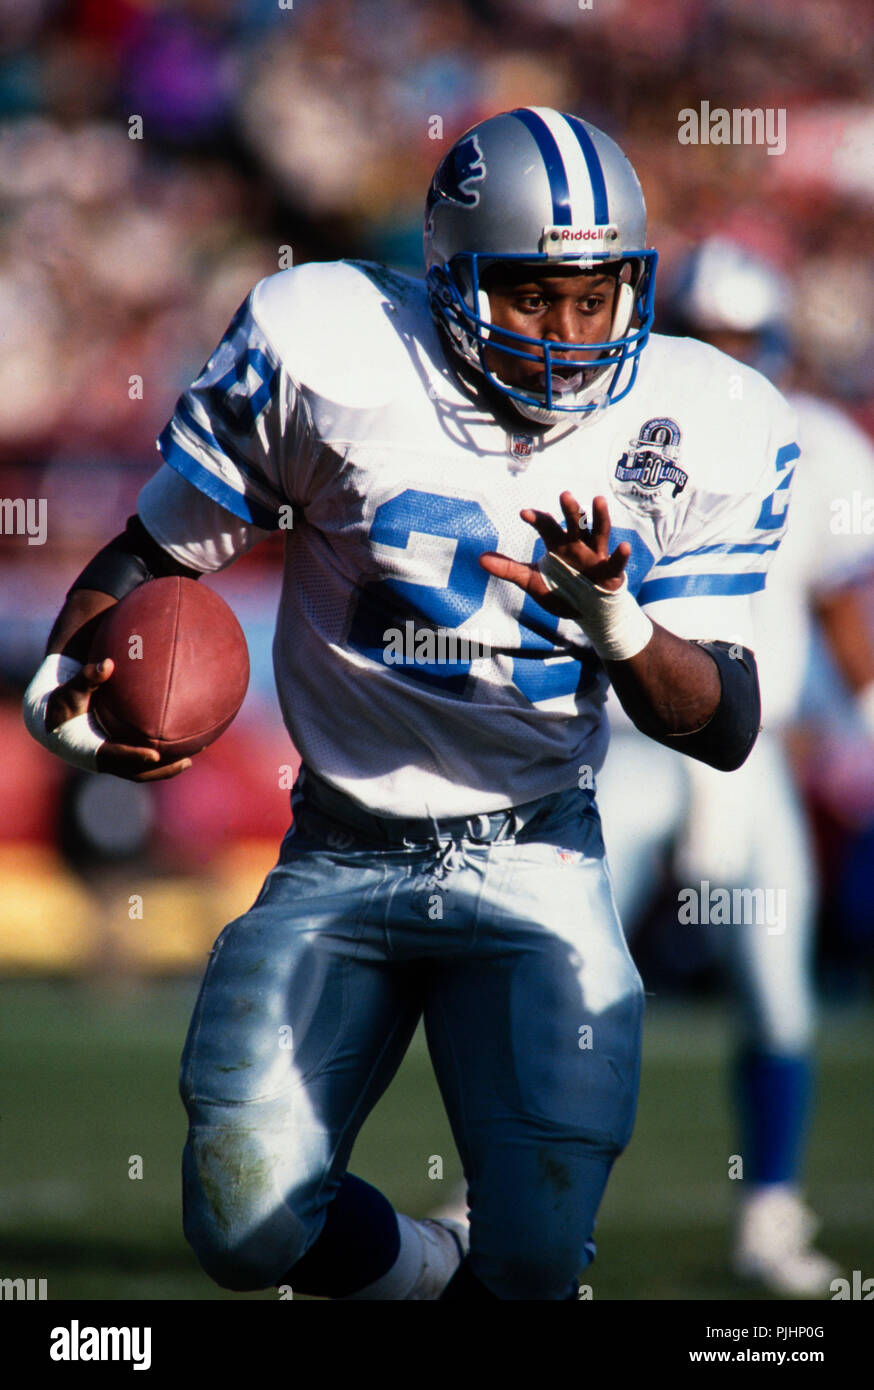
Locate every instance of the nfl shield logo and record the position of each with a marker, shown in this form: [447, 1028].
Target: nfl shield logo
[520, 449]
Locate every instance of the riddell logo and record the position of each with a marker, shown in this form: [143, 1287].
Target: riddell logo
[554, 237]
[583, 234]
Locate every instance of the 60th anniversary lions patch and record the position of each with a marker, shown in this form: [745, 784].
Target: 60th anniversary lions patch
[651, 460]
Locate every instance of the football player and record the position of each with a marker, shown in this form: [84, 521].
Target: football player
[455, 457]
[753, 833]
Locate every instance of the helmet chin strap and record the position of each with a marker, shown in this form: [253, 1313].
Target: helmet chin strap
[485, 311]
[622, 311]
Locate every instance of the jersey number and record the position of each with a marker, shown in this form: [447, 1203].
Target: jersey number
[389, 603]
[773, 513]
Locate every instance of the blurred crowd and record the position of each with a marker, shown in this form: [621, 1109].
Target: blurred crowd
[157, 159]
[125, 243]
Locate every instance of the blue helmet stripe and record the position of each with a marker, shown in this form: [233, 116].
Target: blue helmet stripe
[596, 173]
[549, 151]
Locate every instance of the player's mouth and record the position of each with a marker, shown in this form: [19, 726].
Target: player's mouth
[566, 380]
[567, 377]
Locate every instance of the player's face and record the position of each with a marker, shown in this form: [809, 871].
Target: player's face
[569, 307]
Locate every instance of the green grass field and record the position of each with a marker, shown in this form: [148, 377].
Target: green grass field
[89, 1079]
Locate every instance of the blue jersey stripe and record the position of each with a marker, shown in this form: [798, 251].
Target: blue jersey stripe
[747, 548]
[201, 478]
[596, 173]
[222, 445]
[695, 585]
[551, 156]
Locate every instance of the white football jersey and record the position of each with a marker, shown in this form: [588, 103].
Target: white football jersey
[826, 547]
[330, 409]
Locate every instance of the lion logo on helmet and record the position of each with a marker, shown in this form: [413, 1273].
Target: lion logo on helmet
[463, 167]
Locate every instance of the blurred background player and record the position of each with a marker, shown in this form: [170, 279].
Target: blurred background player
[749, 830]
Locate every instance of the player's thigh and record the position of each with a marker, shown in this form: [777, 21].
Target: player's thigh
[300, 1024]
[767, 949]
[290, 982]
[535, 1038]
[642, 797]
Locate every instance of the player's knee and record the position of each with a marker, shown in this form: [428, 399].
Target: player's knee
[229, 1266]
[788, 1038]
[243, 1234]
[781, 1027]
[540, 1261]
[240, 1261]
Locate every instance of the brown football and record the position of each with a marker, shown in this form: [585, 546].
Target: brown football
[181, 667]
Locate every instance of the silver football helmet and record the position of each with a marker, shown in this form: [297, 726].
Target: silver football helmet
[535, 186]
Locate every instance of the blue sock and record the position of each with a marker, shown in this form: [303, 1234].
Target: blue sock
[359, 1242]
[774, 1094]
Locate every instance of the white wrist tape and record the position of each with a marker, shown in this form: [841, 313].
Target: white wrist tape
[865, 708]
[76, 740]
[614, 623]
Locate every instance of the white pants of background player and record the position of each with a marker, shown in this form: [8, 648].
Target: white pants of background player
[740, 829]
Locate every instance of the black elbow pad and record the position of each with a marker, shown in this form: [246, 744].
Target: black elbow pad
[128, 561]
[727, 739]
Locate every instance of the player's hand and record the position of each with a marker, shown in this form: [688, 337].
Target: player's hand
[586, 548]
[119, 759]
